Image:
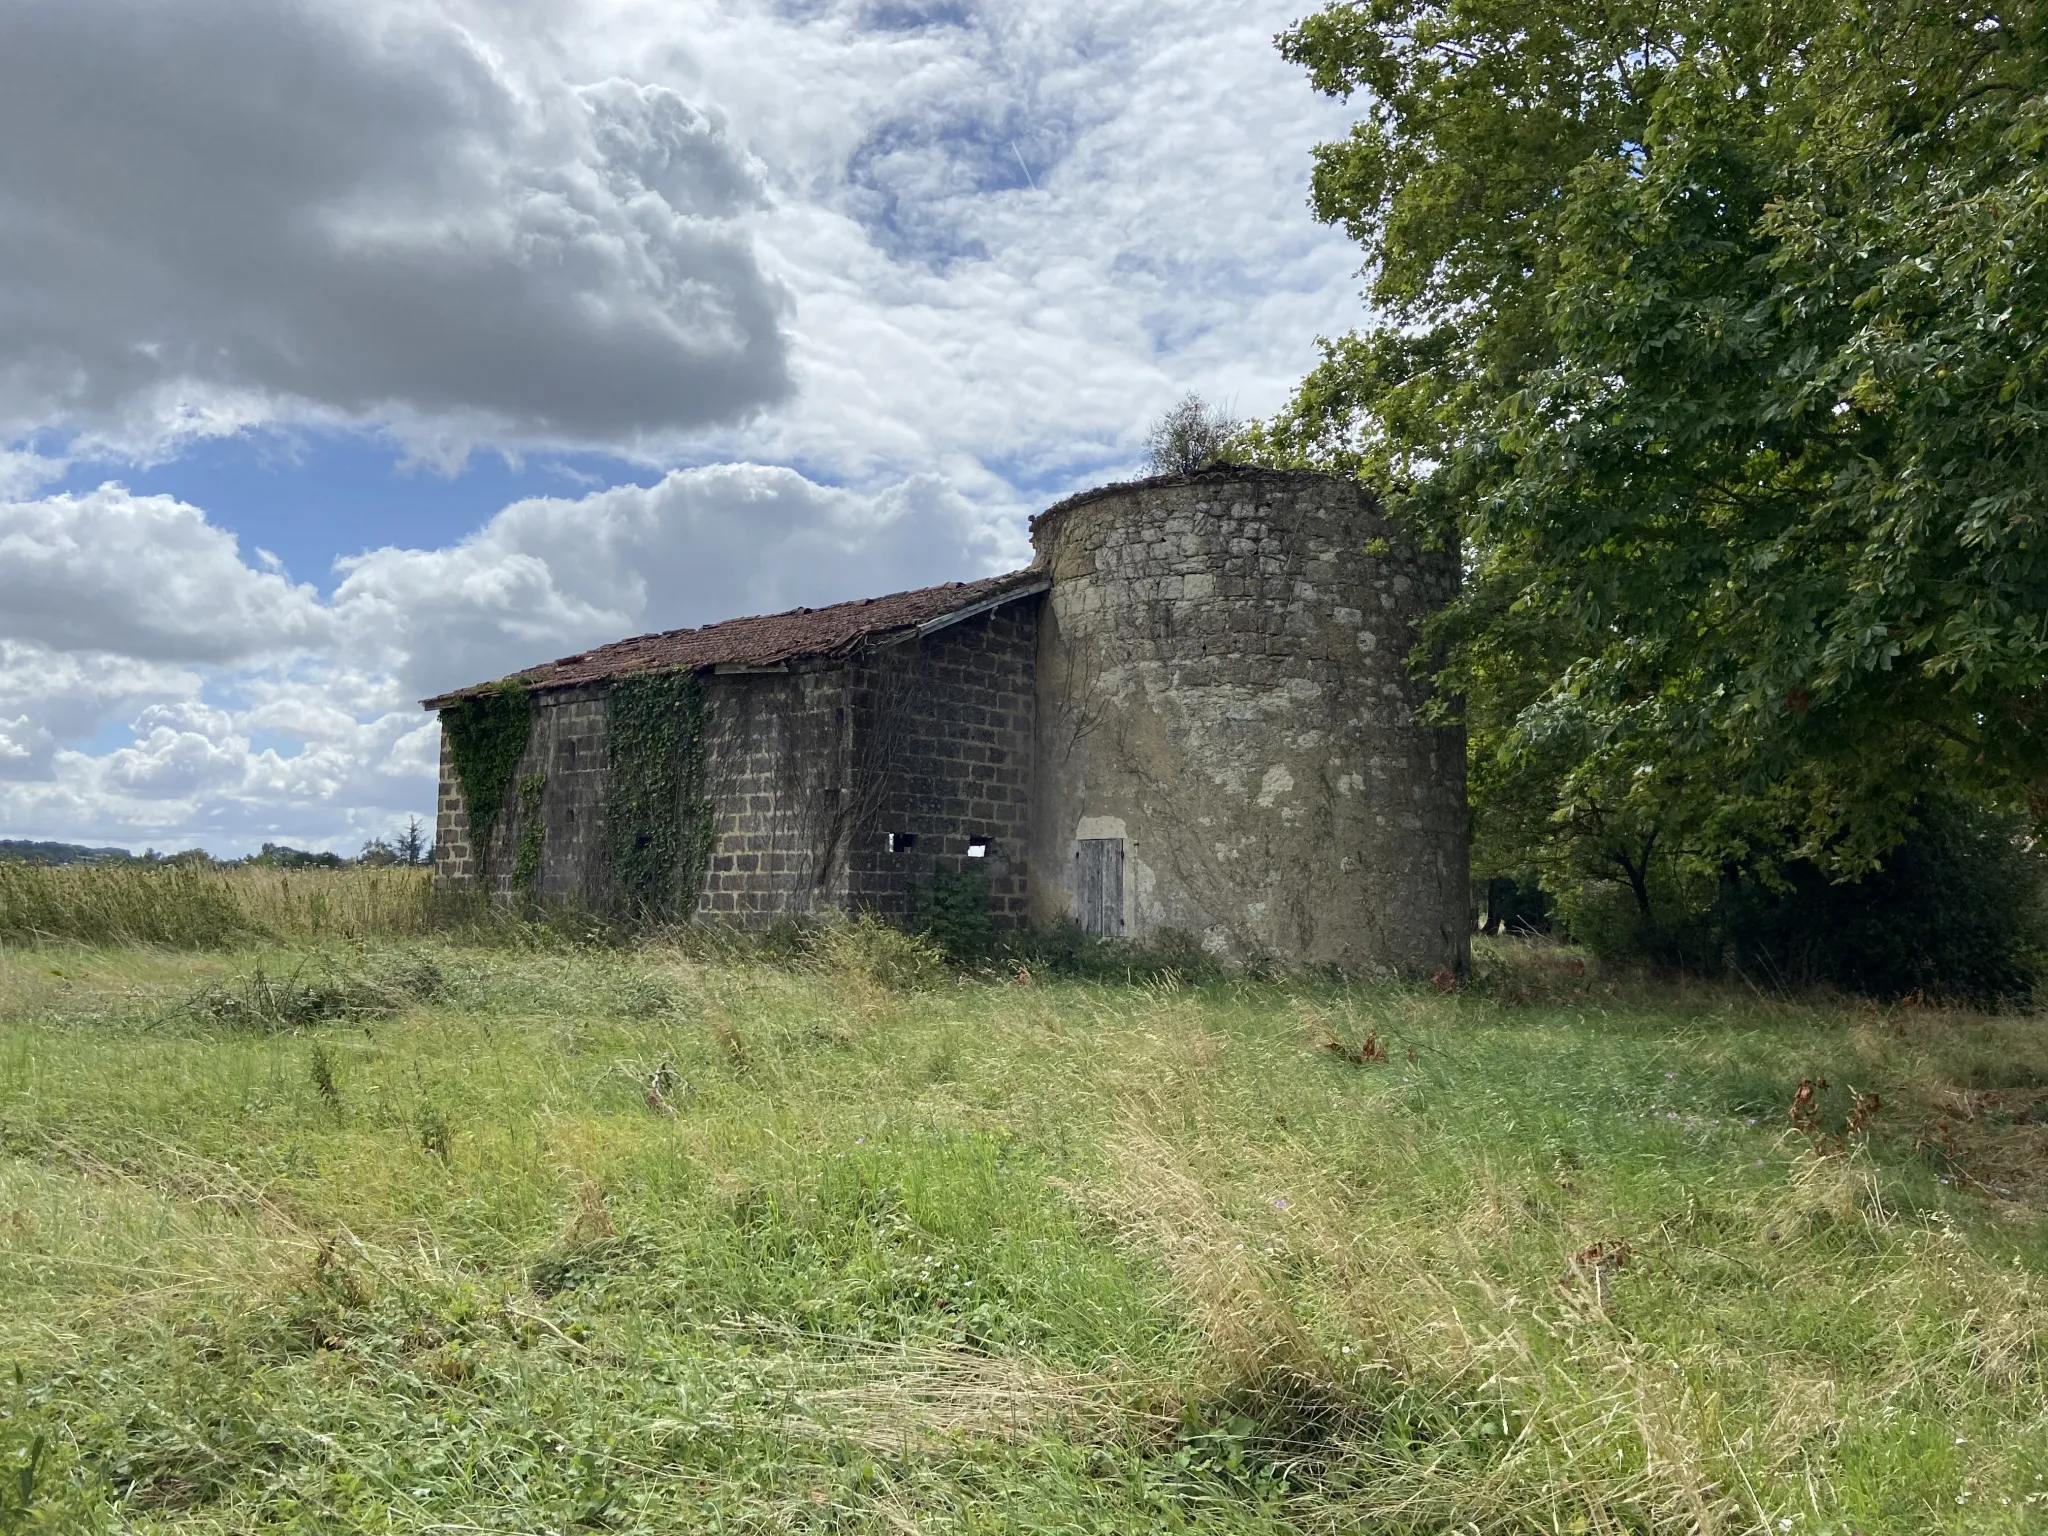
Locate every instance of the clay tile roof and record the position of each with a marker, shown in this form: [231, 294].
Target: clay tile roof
[771, 638]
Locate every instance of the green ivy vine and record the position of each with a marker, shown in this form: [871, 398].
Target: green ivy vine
[487, 735]
[658, 816]
[533, 831]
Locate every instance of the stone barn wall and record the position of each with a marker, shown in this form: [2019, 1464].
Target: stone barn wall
[1228, 741]
[808, 769]
[567, 747]
[944, 738]
[774, 770]
[454, 859]
[1194, 712]
[811, 771]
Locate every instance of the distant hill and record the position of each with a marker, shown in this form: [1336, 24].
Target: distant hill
[59, 853]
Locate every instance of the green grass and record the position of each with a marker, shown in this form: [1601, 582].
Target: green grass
[420, 1237]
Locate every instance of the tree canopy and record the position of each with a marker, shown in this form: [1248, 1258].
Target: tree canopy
[1717, 334]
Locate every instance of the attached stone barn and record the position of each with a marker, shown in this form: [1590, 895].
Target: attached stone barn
[1192, 711]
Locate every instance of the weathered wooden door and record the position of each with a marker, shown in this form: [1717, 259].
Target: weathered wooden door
[1099, 884]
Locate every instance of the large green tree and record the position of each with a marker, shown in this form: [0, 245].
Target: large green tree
[1718, 336]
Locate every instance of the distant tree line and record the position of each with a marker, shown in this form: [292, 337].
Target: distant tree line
[411, 848]
[25, 851]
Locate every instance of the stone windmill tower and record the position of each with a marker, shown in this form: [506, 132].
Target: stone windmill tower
[1229, 736]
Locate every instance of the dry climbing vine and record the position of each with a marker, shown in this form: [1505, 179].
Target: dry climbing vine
[487, 735]
[658, 814]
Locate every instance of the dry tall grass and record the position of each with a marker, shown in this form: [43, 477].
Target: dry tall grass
[188, 906]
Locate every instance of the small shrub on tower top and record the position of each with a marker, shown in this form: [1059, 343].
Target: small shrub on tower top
[1190, 436]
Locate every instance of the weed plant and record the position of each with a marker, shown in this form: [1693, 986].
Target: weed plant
[689, 1238]
[317, 991]
[1066, 951]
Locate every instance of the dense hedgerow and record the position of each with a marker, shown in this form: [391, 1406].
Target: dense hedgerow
[1959, 911]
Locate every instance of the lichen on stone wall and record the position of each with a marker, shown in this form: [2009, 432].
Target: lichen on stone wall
[659, 817]
[487, 734]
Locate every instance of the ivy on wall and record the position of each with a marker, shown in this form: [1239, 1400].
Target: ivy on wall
[658, 815]
[533, 831]
[487, 734]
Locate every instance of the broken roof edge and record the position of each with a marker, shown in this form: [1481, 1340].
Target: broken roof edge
[766, 640]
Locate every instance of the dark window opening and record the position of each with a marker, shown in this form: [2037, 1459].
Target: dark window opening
[900, 842]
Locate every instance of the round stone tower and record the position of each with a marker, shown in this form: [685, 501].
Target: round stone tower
[1228, 738]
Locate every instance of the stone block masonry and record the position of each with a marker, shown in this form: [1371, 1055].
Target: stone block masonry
[775, 768]
[1225, 703]
[566, 747]
[454, 859]
[1194, 711]
[843, 785]
[835, 784]
[946, 726]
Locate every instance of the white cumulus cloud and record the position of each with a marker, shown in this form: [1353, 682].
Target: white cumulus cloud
[257, 709]
[878, 275]
[142, 576]
[48, 697]
[552, 575]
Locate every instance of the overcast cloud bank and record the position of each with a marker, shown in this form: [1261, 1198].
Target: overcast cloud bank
[223, 212]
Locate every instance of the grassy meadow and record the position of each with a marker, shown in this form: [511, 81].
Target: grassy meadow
[323, 1223]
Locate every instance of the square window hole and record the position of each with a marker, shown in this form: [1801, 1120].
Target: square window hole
[977, 848]
[899, 842]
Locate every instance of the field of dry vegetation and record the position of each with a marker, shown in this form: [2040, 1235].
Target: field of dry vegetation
[317, 1218]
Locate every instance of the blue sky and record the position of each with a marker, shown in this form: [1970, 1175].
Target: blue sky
[312, 497]
[351, 351]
